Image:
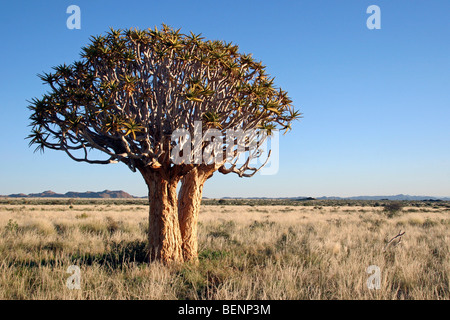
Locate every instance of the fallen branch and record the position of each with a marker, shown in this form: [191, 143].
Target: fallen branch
[399, 235]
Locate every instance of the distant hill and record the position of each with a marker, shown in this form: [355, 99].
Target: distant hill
[397, 197]
[72, 194]
[125, 195]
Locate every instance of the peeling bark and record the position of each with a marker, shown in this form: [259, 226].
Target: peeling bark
[189, 201]
[164, 235]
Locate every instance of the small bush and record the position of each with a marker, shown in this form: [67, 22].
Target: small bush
[261, 224]
[112, 225]
[393, 209]
[12, 226]
[84, 215]
[62, 228]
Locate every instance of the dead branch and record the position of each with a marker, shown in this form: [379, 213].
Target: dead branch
[399, 236]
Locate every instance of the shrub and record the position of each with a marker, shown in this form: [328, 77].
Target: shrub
[261, 224]
[112, 225]
[12, 226]
[393, 209]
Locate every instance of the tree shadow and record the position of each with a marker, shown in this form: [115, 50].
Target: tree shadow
[118, 254]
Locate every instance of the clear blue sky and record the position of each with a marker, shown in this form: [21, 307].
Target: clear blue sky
[376, 103]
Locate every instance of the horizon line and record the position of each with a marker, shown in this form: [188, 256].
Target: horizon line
[20, 194]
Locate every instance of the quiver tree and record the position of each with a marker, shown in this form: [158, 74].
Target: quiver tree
[133, 90]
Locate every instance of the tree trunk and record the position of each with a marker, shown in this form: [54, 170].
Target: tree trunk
[164, 235]
[189, 201]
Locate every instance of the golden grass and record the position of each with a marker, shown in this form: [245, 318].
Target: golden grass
[246, 252]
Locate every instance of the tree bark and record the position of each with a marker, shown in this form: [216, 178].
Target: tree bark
[164, 237]
[189, 201]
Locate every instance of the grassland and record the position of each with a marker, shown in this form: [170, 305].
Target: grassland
[261, 249]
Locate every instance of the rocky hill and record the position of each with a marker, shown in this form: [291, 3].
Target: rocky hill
[72, 194]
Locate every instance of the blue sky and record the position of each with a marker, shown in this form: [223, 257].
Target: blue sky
[376, 103]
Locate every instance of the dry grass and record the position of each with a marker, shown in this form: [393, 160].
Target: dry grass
[246, 252]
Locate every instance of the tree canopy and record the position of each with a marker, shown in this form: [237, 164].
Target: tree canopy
[133, 88]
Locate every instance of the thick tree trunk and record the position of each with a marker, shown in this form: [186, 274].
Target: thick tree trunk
[189, 201]
[164, 235]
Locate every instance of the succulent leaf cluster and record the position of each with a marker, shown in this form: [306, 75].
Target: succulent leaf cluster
[133, 88]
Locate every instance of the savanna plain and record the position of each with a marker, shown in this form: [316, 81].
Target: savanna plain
[248, 249]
